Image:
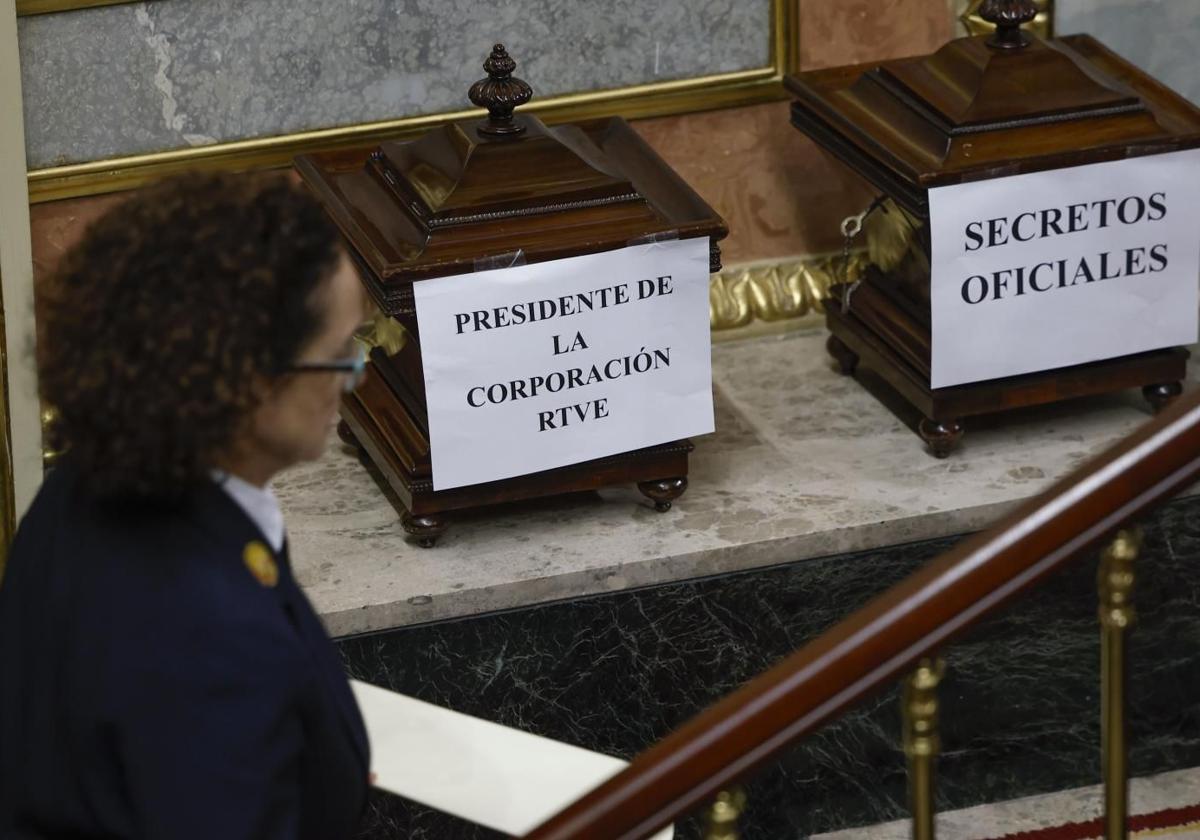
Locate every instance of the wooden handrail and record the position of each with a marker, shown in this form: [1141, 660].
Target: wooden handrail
[877, 643]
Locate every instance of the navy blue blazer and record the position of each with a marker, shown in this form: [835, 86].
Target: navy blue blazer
[153, 686]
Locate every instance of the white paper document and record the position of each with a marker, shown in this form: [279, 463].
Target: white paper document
[1051, 269]
[477, 770]
[540, 366]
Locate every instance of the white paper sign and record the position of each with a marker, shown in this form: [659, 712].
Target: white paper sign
[545, 365]
[1059, 268]
[492, 775]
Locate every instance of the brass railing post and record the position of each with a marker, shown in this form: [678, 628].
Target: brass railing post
[921, 742]
[1117, 615]
[723, 815]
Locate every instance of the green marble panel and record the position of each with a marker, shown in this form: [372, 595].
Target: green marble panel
[1020, 702]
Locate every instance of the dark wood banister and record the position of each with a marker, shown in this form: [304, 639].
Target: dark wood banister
[879, 642]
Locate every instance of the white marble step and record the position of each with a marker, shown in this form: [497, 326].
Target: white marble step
[804, 463]
[1178, 789]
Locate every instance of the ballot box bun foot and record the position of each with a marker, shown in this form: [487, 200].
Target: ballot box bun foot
[941, 436]
[884, 341]
[1162, 394]
[424, 529]
[389, 436]
[663, 491]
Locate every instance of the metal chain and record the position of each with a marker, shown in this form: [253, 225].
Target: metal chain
[851, 227]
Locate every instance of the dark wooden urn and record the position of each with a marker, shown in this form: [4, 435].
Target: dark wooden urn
[980, 107]
[471, 194]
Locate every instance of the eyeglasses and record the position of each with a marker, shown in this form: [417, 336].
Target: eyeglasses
[354, 367]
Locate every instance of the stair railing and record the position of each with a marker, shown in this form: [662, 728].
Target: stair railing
[899, 633]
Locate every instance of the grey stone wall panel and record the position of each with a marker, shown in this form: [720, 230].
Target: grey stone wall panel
[165, 74]
[1160, 36]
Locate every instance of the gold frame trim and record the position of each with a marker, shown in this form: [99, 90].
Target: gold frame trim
[25, 8]
[701, 93]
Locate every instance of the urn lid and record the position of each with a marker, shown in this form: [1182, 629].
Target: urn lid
[476, 190]
[989, 106]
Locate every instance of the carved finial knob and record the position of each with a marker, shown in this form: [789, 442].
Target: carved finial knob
[1008, 16]
[500, 93]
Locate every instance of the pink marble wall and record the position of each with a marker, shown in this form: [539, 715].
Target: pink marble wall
[779, 193]
[58, 224]
[834, 32]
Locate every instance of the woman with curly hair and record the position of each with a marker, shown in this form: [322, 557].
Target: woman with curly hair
[161, 674]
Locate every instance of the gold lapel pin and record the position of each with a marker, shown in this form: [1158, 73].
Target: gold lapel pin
[261, 563]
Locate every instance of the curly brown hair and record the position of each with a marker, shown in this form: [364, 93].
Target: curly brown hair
[158, 330]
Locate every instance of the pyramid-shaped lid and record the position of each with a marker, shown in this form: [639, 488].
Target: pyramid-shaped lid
[978, 84]
[454, 173]
[466, 171]
[989, 106]
[473, 190]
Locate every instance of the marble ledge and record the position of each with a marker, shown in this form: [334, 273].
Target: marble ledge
[805, 463]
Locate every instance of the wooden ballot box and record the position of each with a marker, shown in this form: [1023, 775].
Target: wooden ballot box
[978, 110]
[481, 194]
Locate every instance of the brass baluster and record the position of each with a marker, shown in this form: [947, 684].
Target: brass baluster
[1117, 615]
[723, 815]
[921, 742]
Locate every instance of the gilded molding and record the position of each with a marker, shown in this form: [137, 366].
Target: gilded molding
[1042, 26]
[776, 291]
[47, 7]
[702, 93]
